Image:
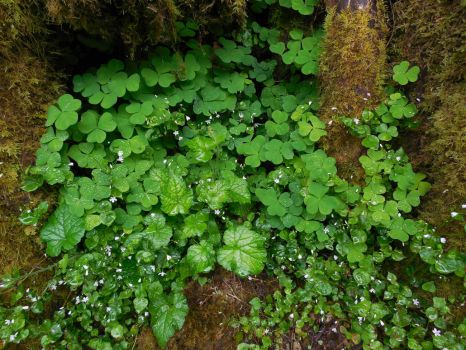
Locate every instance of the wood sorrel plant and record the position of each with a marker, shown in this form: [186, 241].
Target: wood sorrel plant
[206, 155]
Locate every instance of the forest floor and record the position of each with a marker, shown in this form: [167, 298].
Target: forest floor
[437, 148]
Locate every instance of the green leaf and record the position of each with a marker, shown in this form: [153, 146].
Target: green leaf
[140, 304]
[429, 287]
[201, 257]
[194, 225]
[65, 114]
[168, 313]
[402, 74]
[243, 253]
[63, 231]
[176, 198]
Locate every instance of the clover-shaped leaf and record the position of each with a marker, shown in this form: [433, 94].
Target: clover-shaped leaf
[96, 127]
[187, 29]
[64, 114]
[163, 74]
[269, 198]
[319, 201]
[86, 84]
[139, 112]
[311, 126]
[54, 139]
[304, 7]
[278, 126]
[402, 74]
[252, 149]
[230, 52]
[233, 82]
[400, 107]
[275, 151]
[319, 165]
[188, 67]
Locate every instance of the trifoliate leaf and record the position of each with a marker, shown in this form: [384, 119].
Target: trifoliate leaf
[65, 114]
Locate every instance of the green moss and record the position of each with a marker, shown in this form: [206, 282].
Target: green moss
[430, 33]
[440, 51]
[352, 75]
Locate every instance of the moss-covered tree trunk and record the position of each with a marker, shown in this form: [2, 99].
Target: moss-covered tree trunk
[352, 70]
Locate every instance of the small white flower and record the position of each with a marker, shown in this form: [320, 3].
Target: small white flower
[437, 332]
[382, 323]
[372, 290]
[70, 163]
[300, 256]
[443, 240]
[85, 299]
[146, 314]
[453, 214]
[118, 270]
[416, 302]
[108, 309]
[356, 121]
[291, 316]
[8, 322]
[162, 273]
[335, 257]
[266, 331]
[276, 181]
[334, 330]
[169, 257]
[13, 336]
[188, 118]
[176, 132]
[53, 287]
[217, 212]
[113, 199]
[25, 307]
[463, 206]
[398, 158]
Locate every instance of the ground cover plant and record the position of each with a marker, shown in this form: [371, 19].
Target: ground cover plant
[206, 155]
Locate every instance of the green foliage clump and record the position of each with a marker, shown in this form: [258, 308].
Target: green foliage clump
[156, 187]
[204, 155]
[333, 268]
